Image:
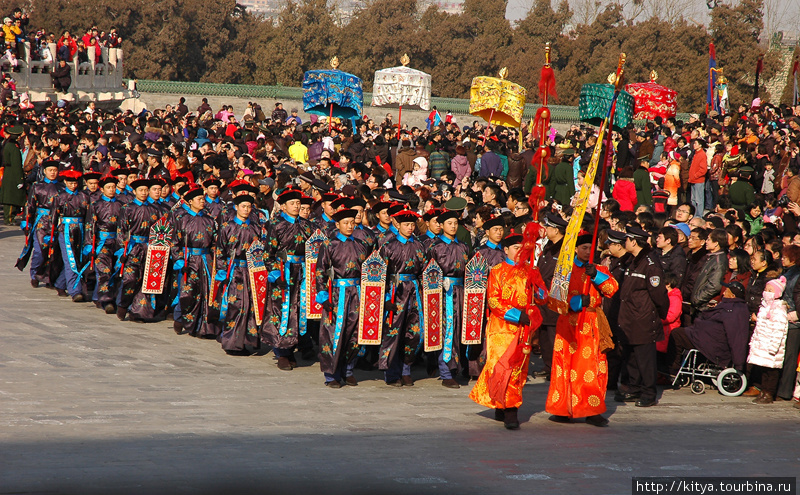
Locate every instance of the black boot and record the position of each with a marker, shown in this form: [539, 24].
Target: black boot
[510, 418]
[499, 414]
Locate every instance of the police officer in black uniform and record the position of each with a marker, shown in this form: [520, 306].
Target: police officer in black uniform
[617, 264]
[643, 304]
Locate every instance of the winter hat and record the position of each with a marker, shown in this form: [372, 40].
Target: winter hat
[777, 285]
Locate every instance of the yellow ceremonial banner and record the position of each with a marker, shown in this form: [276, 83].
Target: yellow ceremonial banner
[497, 101]
[558, 299]
[559, 296]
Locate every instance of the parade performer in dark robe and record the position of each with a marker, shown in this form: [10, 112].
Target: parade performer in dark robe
[152, 307]
[194, 237]
[100, 244]
[133, 233]
[512, 319]
[338, 280]
[175, 196]
[381, 212]
[491, 250]
[229, 210]
[234, 298]
[493, 253]
[285, 320]
[391, 232]
[405, 260]
[124, 192]
[452, 257]
[91, 182]
[213, 203]
[169, 196]
[92, 190]
[69, 211]
[306, 203]
[434, 227]
[38, 229]
[360, 232]
[580, 370]
[324, 221]
[154, 195]
[174, 216]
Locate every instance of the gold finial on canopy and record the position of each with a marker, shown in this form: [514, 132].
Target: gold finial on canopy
[653, 75]
[547, 54]
[503, 72]
[335, 62]
[405, 60]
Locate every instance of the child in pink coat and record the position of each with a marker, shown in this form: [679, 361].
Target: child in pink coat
[673, 319]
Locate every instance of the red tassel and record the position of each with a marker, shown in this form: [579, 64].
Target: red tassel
[532, 233]
[541, 122]
[539, 161]
[547, 83]
[536, 198]
[385, 166]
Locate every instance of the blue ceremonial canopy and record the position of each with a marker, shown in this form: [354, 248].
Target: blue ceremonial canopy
[323, 89]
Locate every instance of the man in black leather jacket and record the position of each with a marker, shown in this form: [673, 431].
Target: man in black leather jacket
[709, 280]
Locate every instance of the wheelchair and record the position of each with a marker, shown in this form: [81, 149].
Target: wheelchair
[695, 368]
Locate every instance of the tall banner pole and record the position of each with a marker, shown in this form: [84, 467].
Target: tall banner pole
[559, 290]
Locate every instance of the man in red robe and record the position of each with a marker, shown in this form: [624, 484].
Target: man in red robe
[580, 371]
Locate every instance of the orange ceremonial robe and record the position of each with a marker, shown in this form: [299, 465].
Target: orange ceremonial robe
[503, 377]
[579, 372]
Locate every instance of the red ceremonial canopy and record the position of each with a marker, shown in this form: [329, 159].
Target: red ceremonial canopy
[653, 99]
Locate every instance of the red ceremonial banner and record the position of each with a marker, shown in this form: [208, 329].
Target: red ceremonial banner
[433, 321]
[473, 318]
[373, 296]
[155, 269]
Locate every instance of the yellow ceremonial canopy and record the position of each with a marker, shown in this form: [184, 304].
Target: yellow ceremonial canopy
[497, 100]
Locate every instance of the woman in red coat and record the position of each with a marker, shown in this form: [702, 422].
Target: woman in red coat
[624, 190]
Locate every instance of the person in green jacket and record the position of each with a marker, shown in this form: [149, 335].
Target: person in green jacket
[641, 180]
[754, 217]
[741, 192]
[563, 180]
[12, 194]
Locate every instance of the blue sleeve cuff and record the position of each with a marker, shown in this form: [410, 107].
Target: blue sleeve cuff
[274, 275]
[575, 303]
[512, 316]
[541, 293]
[599, 278]
[322, 296]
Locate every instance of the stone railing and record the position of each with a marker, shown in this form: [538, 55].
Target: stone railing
[90, 81]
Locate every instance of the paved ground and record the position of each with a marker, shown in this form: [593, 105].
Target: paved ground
[89, 404]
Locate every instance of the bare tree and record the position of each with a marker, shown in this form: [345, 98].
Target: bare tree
[586, 11]
[781, 15]
[675, 10]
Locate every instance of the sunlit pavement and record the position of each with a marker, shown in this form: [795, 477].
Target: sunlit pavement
[89, 404]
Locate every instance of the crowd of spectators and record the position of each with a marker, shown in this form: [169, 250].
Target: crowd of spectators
[719, 195]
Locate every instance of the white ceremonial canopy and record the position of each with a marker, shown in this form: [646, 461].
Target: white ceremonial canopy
[402, 87]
